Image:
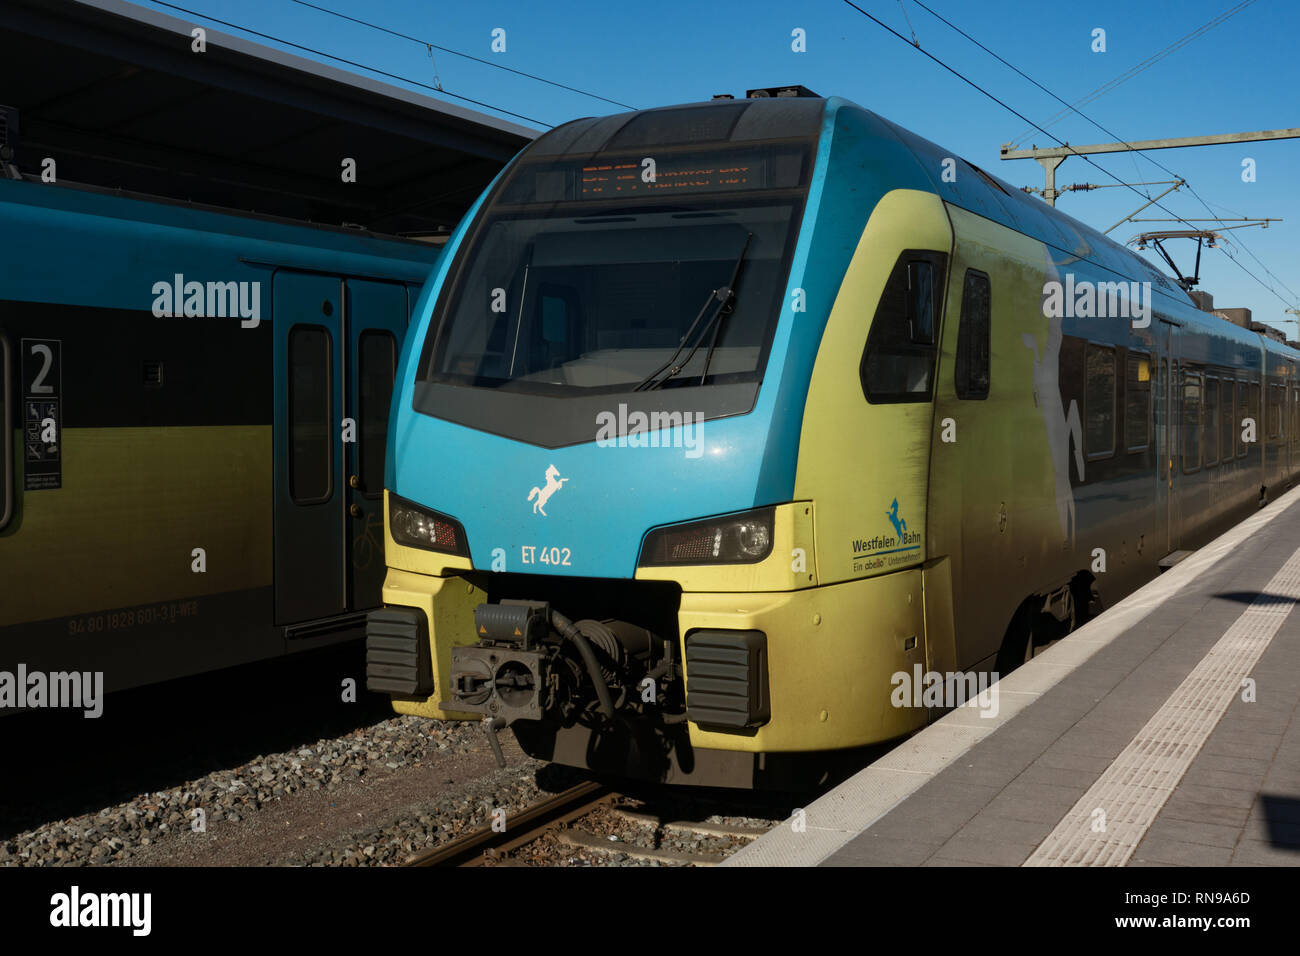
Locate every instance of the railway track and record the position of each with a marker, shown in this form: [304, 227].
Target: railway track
[579, 820]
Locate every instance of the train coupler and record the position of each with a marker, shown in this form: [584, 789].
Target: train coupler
[533, 663]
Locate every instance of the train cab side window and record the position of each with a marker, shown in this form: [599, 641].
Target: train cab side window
[1137, 402]
[898, 362]
[971, 369]
[1191, 418]
[376, 366]
[921, 301]
[311, 436]
[6, 432]
[1099, 402]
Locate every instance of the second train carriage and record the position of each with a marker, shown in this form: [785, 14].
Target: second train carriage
[195, 407]
[715, 419]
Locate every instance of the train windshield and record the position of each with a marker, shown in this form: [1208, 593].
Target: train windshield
[586, 276]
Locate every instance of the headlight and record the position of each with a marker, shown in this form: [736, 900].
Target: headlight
[417, 527]
[744, 538]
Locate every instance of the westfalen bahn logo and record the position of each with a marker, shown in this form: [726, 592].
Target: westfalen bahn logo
[887, 550]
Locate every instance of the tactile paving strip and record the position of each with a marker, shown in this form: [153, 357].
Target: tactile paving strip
[1108, 822]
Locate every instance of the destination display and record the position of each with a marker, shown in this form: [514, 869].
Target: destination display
[604, 180]
[604, 177]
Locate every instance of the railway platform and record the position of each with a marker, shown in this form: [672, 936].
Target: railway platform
[1163, 733]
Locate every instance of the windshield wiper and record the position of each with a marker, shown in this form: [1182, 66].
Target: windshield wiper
[723, 295]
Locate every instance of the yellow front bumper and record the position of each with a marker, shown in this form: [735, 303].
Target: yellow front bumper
[831, 653]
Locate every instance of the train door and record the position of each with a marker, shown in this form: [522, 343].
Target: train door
[375, 316]
[336, 344]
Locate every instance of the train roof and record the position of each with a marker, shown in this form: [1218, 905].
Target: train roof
[114, 93]
[973, 188]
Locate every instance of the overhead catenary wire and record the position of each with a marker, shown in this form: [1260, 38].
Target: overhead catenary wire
[1060, 142]
[431, 46]
[1074, 108]
[1010, 109]
[340, 59]
[1135, 70]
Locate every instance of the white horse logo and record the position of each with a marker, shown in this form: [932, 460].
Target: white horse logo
[543, 495]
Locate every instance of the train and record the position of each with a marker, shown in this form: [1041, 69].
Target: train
[714, 419]
[194, 404]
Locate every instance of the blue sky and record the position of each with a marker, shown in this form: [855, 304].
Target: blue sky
[1240, 76]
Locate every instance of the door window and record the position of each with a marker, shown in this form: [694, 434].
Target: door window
[6, 433]
[971, 372]
[311, 444]
[376, 365]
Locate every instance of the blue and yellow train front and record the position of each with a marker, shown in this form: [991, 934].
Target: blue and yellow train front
[638, 508]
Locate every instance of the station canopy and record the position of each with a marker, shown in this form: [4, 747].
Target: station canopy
[116, 96]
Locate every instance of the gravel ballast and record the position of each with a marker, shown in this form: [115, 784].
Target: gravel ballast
[124, 832]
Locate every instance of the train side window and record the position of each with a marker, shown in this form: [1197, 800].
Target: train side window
[1281, 412]
[1099, 402]
[311, 435]
[971, 370]
[1162, 417]
[1211, 421]
[1274, 412]
[1191, 418]
[1295, 415]
[1240, 413]
[6, 432]
[1288, 397]
[1137, 402]
[1227, 416]
[898, 362]
[1255, 410]
[376, 367]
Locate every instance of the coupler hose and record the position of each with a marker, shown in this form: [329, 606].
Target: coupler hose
[570, 632]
